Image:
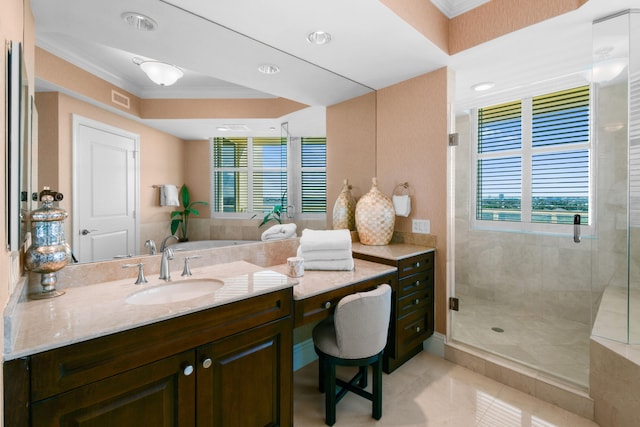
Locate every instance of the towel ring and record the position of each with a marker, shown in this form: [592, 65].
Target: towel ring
[403, 189]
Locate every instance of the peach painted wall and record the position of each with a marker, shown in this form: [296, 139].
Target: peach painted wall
[412, 144]
[197, 173]
[499, 17]
[161, 155]
[351, 147]
[425, 17]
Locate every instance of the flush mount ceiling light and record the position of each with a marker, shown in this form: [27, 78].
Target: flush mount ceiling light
[269, 69]
[483, 86]
[139, 21]
[319, 37]
[160, 73]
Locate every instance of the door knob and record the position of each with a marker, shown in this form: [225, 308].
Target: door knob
[84, 232]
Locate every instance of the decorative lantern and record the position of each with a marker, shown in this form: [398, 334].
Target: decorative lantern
[49, 252]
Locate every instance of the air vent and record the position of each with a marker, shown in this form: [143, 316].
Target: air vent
[120, 99]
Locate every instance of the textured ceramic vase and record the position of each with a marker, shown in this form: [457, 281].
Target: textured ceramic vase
[344, 210]
[375, 217]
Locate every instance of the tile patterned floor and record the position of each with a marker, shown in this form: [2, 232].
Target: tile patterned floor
[550, 344]
[430, 391]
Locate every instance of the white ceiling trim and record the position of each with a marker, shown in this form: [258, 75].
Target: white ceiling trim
[453, 8]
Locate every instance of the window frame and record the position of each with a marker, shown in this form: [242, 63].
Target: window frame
[294, 182]
[526, 153]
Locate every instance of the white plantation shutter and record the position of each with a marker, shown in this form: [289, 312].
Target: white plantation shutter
[314, 175]
[533, 159]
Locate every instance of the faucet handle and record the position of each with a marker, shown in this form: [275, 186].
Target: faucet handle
[141, 278]
[187, 271]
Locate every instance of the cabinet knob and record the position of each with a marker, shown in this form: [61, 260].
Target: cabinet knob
[187, 369]
[417, 264]
[417, 328]
[417, 282]
[207, 362]
[416, 301]
[327, 305]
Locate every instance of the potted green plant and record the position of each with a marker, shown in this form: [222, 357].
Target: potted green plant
[275, 213]
[181, 217]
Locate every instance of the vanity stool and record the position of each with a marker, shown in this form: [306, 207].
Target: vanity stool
[355, 335]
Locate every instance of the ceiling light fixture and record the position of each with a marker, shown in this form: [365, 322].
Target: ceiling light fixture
[269, 69]
[160, 73]
[319, 37]
[483, 86]
[139, 21]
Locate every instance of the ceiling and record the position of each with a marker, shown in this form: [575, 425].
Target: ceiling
[220, 44]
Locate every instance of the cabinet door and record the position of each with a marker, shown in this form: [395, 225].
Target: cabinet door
[157, 394]
[246, 379]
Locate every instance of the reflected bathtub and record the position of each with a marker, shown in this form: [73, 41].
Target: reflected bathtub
[197, 245]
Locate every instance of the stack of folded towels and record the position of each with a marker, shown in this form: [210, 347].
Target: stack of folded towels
[326, 249]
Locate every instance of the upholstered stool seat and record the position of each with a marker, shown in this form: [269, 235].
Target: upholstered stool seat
[355, 335]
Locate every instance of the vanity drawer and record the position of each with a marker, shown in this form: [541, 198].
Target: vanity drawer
[421, 300]
[318, 307]
[413, 329]
[415, 264]
[414, 283]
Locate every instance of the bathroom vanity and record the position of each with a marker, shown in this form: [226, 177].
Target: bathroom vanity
[412, 310]
[198, 366]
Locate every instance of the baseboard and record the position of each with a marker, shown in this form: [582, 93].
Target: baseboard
[435, 344]
[303, 354]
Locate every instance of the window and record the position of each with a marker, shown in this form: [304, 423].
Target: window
[253, 174]
[532, 160]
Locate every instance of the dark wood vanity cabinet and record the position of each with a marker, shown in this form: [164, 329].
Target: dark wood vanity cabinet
[412, 310]
[227, 366]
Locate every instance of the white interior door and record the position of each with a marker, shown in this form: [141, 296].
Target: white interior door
[105, 196]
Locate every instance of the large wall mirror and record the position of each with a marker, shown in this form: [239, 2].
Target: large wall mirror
[19, 147]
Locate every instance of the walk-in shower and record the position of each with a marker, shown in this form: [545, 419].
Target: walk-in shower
[528, 290]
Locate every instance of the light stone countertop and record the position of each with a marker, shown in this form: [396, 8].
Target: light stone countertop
[315, 282]
[87, 312]
[394, 251]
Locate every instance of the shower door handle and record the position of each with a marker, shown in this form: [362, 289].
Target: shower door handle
[576, 228]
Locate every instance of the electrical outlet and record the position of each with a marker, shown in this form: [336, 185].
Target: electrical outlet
[421, 226]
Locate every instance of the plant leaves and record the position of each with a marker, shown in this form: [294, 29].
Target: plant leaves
[174, 225]
[184, 195]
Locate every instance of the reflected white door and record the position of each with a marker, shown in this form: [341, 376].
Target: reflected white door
[105, 191]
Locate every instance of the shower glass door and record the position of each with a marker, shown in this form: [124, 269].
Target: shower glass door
[522, 276]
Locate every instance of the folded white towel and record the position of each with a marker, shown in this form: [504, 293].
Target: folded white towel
[279, 232]
[339, 254]
[169, 195]
[325, 240]
[402, 205]
[338, 265]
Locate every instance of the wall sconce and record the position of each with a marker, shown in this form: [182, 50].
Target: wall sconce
[160, 73]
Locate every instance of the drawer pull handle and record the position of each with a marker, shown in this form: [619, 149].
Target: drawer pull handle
[187, 369]
[327, 305]
[417, 328]
[206, 363]
[416, 301]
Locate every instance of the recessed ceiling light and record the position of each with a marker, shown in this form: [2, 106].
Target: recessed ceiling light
[483, 86]
[319, 37]
[139, 21]
[269, 69]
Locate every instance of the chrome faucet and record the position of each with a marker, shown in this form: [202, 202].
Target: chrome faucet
[152, 246]
[164, 242]
[165, 271]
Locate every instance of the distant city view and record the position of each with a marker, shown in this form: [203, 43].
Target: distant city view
[552, 210]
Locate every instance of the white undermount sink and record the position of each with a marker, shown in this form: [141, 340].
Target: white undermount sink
[181, 290]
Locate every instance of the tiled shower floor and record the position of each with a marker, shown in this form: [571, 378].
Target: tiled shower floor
[549, 344]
